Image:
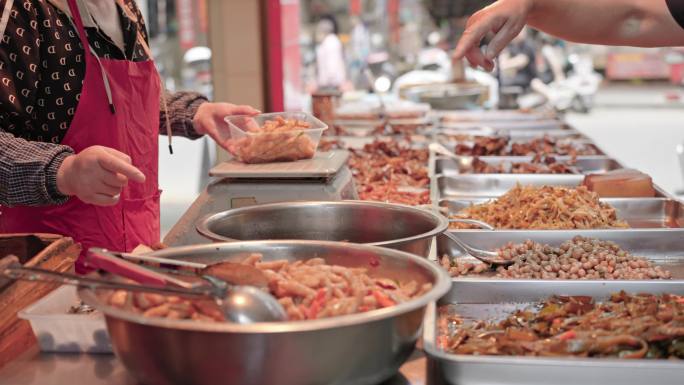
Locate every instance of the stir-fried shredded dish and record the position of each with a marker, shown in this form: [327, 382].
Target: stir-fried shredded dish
[544, 208]
[307, 290]
[625, 326]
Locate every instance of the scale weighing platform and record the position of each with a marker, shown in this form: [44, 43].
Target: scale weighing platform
[325, 177]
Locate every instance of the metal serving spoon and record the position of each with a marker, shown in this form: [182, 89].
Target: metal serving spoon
[239, 304]
[475, 222]
[489, 257]
[465, 163]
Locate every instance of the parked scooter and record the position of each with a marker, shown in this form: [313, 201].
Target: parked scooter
[575, 92]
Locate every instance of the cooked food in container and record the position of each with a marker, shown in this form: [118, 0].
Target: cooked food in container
[277, 137]
[629, 326]
[388, 171]
[307, 289]
[504, 146]
[579, 258]
[540, 164]
[360, 348]
[544, 208]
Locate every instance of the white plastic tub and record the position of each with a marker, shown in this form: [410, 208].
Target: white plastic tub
[58, 331]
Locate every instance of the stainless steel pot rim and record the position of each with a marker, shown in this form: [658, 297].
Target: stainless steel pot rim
[441, 226]
[598, 232]
[442, 283]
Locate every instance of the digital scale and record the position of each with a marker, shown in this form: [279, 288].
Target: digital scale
[325, 177]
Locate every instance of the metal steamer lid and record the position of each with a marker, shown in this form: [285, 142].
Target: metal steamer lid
[323, 165]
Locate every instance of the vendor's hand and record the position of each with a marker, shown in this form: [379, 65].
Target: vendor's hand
[505, 19]
[97, 175]
[209, 120]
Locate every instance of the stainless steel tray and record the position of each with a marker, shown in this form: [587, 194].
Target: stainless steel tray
[492, 115]
[494, 185]
[539, 125]
[357, 142]
[585, 143]
[584, 164]
[662, 247]
[485, 298]
[640, 213]
[322, 165]
[445, 133]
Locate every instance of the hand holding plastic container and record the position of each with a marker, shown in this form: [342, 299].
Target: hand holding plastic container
[274, 137]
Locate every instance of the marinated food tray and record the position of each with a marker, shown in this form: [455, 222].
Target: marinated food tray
[494, 185]
[493, 116]
[451, 136]
[389, 170]
[527, 164]
[658, 247]
[482, 299]
[639, 213]
[507, 146]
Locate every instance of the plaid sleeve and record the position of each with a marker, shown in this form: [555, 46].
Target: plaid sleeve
[182, 107]
[28, 172]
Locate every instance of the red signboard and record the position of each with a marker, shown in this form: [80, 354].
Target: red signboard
[186, 23]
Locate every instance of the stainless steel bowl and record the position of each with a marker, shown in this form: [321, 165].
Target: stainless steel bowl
[364, 348]
[388, 225]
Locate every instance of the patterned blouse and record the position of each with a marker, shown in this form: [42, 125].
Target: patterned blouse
[42, 67]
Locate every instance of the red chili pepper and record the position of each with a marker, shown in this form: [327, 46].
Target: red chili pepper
[316, 304]
[570, 334]
[382, 299]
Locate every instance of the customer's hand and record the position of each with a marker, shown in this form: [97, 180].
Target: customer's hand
[209, 120]
[97, 175]
[505, 19]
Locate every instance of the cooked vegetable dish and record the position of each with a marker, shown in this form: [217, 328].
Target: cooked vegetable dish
[624, 326]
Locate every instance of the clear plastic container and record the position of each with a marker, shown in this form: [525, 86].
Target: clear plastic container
[58, 331]
[249, 144]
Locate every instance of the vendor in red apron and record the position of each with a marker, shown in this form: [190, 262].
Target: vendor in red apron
[81, 109]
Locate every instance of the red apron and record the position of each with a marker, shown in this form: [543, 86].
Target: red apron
[131, 127]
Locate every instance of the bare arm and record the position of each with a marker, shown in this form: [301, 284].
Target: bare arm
[641, 23]
[644, 23]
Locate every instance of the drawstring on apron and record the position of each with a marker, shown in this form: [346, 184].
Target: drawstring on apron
[105, 79]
